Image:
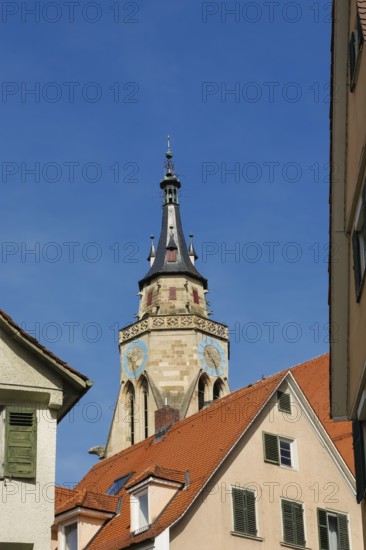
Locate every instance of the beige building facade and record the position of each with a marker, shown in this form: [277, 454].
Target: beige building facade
[263, 467]
[348, 225]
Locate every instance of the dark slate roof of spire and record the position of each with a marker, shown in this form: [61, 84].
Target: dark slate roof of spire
[183, 265]
[171, 236]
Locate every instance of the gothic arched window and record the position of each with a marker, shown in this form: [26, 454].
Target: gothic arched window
[218, 389]
[130, 408]
[202, 392]
[144, 401]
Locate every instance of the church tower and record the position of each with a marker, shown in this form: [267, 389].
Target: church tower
[174, 354]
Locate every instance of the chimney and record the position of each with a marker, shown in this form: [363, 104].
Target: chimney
[165, 417]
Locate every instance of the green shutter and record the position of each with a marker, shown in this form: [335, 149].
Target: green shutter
[239, 510]
[251, 523]
[244, 511]
[359, 450]
[323, 530]
[299, 524]
[356, 264]
[271, 453]
[293, 523]
[284, 402]
[343, 532]
[20, 443]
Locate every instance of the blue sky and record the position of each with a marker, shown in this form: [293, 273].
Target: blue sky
[245, 97]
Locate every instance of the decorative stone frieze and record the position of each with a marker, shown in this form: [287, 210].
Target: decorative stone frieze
[164, 322]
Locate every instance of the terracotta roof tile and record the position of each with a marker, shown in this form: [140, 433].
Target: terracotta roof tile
[189, 447]
[159, 473]
[84, 499]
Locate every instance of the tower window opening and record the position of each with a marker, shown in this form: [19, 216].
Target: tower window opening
[130, 406]
[195, 297]
[202, 385]
[218, 389]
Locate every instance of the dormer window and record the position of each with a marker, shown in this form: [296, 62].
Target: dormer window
[140, 512]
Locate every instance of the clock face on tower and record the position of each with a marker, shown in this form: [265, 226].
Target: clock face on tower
[212, 357]
[134, 359]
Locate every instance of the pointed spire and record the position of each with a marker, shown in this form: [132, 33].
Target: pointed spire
[172, 254]
[191, 251]
[152, 254]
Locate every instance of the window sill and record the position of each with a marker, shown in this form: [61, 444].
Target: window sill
[297, 546]
[244, 536]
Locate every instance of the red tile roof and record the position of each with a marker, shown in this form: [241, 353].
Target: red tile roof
[85, 499]
[189, 446]
[158, 473]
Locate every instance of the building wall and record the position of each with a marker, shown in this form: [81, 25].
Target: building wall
[31, 502]
[315, 483]
[27, 505]
[355, 178]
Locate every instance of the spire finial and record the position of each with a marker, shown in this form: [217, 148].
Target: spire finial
[169, 166]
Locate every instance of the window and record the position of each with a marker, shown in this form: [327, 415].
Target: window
[333, 531]
[195, 297]
[218, 389]
[20, 443]
[130, 408]
[355, 47]
[244, 511]
[359, 244]
[118, 484]
[139, 512]
[358, 429]
[202, 392]
[149, 298]
[171, 255]
[71, 536]
[293, 522]
[172, 293]
[279, 450]
[284, 402]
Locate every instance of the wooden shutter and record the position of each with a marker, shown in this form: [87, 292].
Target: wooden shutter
[343, 532]
[172, 293]
[20, 443]
[251, 520]
[284, 402]
[323, 530]
[359, 454]
[271, 453]
[293, 523]
[149, 298]
[244, 511]
[195, 297]
[356, 263]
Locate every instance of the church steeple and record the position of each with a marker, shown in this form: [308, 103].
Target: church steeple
[173, 354]
[172, 255]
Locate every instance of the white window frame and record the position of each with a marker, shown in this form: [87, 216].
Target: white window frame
[2, 439]
[62, 535]
[135, 511]
[293, 452]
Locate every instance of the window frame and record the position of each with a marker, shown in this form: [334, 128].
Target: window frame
[277, 460]
[8, 429]
[136, 527]
[324, 539]
[355, 47]
[247, 531]
[284, 401]
[62, 537]
[296, 535]
[359, 244]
